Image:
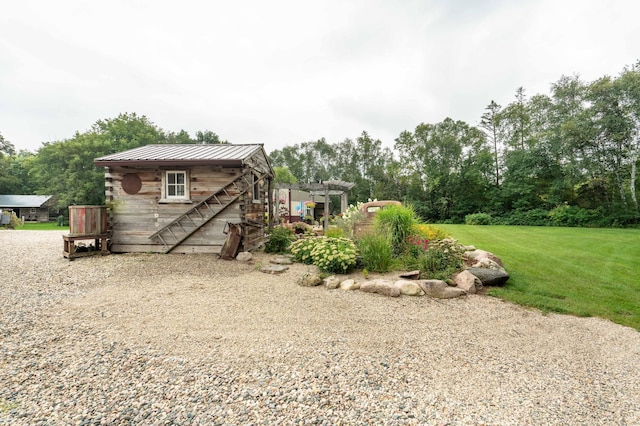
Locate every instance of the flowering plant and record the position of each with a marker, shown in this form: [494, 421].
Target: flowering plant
[301, 250]
[335, 255]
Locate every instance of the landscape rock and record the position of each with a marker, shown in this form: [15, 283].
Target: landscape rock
[468, 282]
[409, 288]
[244, 256]
[310, 280]
[440, 290]
[273, 269]
[349, 284]
[488, 264]
[332, 282]
[476, 255]
[490, 277]
[281, 260]
[380, 286]
[411, 275]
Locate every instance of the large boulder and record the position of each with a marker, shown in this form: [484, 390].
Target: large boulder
[476, 255]
[244, 256]
[332, 282]
[409, 288]
[439, 289]
[468, 282]
[310, 280]
[488, 264]
[384, 287]
[490, 277]
[349, 284]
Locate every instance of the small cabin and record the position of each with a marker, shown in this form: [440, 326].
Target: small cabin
[185, 198]
[31, 208]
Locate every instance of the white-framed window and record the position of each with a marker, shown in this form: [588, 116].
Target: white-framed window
[33, 211]
[256, 189]
[175, 185]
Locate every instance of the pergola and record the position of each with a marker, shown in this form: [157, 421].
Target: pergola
[326, 188]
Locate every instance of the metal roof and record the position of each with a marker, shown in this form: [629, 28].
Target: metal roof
[23, 201]
[170, 154]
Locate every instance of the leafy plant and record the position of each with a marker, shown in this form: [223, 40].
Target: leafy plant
[429, 232]
[336, 255]
[398, 222]
[279, 240]
[349, 218]
[376, 253]
[478, 219]
[301, 228]
[441, 260]
[301, 250]
[334, 233]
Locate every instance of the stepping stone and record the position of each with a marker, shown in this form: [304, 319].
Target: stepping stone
[273, 269]
[281, 260]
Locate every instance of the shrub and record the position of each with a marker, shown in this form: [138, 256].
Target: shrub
[441, 260]
[334, 233]
[376, 253]
[335, 255]
[279, 240]
[301, 228]
[349, 218]
[565, 215]
[398, 222]
[301, 250]
[478, 219]
[429, 232]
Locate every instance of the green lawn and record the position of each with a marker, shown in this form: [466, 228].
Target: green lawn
[43, 226]
[577, 271]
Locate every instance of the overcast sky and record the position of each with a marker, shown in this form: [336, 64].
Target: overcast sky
[285, 72]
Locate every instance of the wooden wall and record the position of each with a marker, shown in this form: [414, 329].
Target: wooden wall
[133, 218]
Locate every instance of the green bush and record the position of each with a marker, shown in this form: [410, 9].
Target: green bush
[302, 228]
[334, 233]
[535, 217]
[478, 219]
[398, 222]
[349, 218]
[279, 240]
[376, 253]
[301, 250]
[441, 260]
[335, 255]
[565, 215]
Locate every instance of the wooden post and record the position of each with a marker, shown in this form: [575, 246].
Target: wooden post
[326, 207]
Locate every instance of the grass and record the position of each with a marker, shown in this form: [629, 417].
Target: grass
[42, 226]
[577, 271]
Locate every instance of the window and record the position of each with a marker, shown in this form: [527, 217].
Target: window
[33, 211]
[175, 186]
[256, 189]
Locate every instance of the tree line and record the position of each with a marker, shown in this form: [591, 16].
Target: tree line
[569, 157]
[65, 168]
[566, 158]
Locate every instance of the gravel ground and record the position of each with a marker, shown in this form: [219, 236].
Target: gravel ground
[190, 339]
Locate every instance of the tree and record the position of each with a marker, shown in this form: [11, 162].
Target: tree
[6, 147]
[440, 158]
[490, 123]
[65, 168]
[208, 137]
[283, 175]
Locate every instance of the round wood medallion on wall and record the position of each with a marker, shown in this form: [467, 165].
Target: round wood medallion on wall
[131, 183]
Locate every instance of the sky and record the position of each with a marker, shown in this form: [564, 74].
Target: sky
[285, 72]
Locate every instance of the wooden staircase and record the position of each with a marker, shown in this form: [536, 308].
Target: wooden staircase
[185, 225]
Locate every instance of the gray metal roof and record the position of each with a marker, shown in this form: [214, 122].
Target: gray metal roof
[169, 154]
[23, 201]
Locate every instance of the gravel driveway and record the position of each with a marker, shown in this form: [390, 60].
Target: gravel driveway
[190, 339]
